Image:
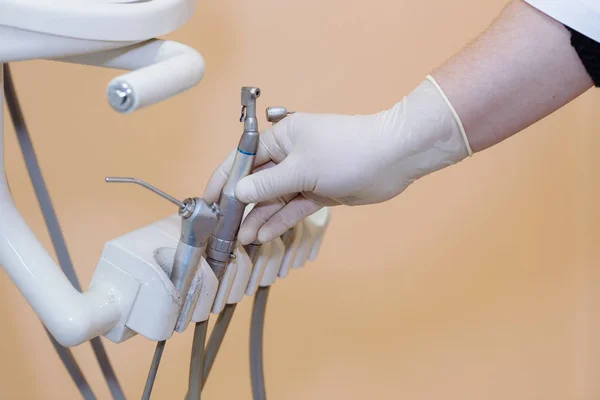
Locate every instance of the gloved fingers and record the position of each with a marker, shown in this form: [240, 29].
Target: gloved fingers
[275, 142]
[324, 201]
[288, 217]
[267, 165]
[259, 215]
[285, 178]
[268, 150]
[218, 178]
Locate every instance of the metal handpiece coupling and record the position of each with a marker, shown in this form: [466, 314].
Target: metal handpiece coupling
[197, 223]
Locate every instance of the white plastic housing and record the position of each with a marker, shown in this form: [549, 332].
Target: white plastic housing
[259, 267]
[291, 249]
[277, 252]
[306, 242]
[153, 309]
[208, 293]
[20, 44]
[312, 236]
[321, 220]
[225, 287]
[242, 276]
[98, 20]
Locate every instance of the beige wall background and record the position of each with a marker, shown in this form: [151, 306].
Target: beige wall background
[479, 282]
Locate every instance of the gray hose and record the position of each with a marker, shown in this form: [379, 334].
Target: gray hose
[222, 324]
[58, 240]
[257, 323]
[195, 382]
[107, 369]
[158, 352]
[216, 339]
[68, 360]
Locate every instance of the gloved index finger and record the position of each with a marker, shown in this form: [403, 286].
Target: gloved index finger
[219, 177]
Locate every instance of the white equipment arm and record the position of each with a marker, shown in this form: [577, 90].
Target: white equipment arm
[160, 69]
[70, 316]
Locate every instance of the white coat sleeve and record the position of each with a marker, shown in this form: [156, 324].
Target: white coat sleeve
[582, 16]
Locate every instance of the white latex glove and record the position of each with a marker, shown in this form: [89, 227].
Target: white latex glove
[307, 161]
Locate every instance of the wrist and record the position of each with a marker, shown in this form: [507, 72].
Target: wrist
[429, 135]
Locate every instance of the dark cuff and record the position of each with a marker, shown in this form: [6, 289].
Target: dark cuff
[589, 54]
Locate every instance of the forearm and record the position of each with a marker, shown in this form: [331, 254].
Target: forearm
[517, 72]
[520, 70]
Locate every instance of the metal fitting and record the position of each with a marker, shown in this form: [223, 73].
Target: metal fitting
[248, 117]
[249, 95]
[277, 113]
[120, 97]
[197, 227]
[188, 209]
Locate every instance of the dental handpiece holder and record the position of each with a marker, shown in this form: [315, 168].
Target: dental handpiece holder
[157, 279]
[122, 276]
[160, 278]
[159, 270]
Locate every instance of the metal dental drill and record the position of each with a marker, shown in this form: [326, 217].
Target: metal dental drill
[222, 241]
[274, 114]
[277, 113]
[198, 220]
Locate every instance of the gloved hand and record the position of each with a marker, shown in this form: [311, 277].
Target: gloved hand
[307, 161]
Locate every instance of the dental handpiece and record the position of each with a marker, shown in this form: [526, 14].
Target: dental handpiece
[198, 220]
[222, 241]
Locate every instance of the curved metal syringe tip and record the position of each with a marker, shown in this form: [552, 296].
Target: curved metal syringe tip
[180, 204]
[159, 69]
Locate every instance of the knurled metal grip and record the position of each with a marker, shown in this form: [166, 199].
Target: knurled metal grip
[220, 249]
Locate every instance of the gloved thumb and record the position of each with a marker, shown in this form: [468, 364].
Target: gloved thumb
[279, 180]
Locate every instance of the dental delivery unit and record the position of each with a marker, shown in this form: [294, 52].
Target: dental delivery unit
[172, 274]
